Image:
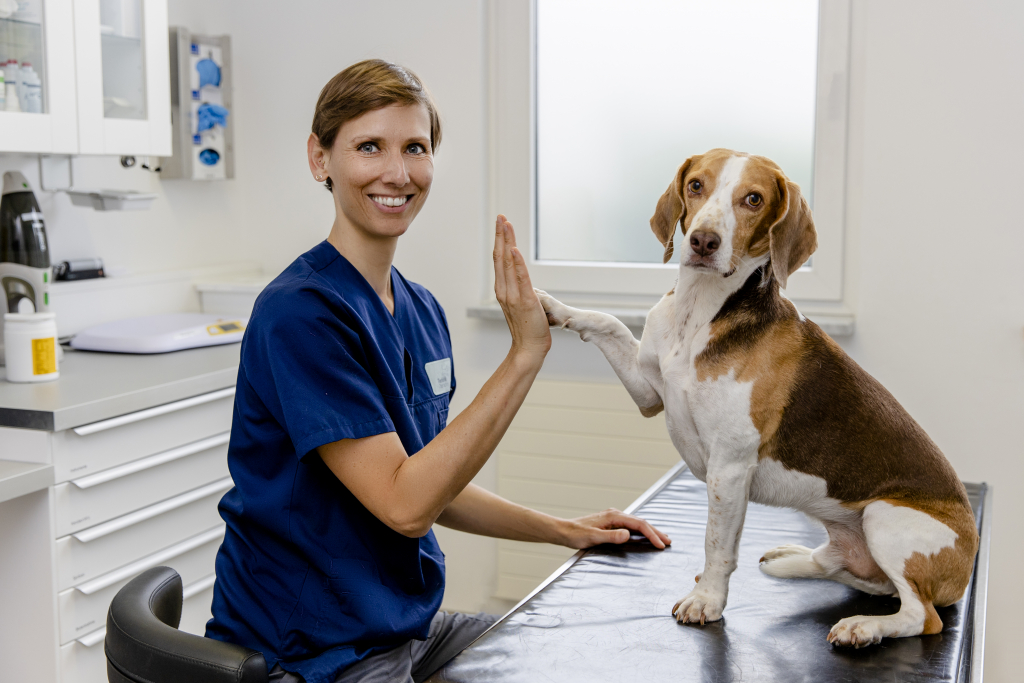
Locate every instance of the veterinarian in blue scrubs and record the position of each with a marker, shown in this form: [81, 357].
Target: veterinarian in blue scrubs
[340, 452]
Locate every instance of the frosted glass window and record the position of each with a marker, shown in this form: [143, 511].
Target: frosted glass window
[627, 91]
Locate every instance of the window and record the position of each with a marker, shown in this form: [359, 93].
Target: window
[595, 103]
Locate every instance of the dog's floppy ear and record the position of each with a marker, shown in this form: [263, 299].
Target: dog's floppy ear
[670, 210]
[792, 238]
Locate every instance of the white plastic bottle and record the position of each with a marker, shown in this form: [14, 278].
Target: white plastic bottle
[11, 102]
[33, 89]
[24, 75]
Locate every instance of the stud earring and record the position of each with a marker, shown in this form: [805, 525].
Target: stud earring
[319, 178]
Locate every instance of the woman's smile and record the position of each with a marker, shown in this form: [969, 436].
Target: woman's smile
[389, 203]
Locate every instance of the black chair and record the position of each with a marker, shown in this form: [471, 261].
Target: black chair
[144, 645]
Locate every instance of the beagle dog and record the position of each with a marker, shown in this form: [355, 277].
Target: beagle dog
[764, 406]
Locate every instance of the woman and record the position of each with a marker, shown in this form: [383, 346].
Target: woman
[329, 566]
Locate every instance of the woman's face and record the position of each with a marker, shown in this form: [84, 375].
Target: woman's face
[381, 167]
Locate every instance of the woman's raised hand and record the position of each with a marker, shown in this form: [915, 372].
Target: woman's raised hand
[525, 316]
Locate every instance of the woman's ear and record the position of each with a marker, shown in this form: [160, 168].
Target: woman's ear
[670, 210]
[792, 238]
[317, 157]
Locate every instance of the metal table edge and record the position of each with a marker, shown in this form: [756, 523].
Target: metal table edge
[979, 599]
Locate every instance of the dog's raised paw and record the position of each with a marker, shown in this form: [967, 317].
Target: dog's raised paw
[856, 632]
[699, 607]
[556, 311]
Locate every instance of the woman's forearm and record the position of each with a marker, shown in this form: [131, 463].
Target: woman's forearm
[424, 485]
[478, 511]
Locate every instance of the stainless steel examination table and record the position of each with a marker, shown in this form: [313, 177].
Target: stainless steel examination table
[606, 614]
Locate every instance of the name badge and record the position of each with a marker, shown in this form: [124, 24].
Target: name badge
[440, 374]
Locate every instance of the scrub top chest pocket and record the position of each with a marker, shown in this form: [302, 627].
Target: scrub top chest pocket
[430, 403]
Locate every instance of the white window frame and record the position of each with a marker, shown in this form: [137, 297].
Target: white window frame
[512, 50]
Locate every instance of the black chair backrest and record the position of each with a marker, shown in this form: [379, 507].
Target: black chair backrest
[144, 645]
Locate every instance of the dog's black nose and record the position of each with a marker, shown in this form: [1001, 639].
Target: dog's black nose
[704, 243]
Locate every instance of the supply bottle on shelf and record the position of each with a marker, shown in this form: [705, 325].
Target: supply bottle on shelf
[31, 90]
[11, 77]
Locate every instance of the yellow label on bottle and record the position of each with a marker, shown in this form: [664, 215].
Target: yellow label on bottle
[44, 356]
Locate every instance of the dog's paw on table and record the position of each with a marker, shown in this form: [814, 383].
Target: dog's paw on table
[856, 632]
[699, 607]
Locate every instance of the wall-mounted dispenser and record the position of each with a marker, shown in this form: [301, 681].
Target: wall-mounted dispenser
[201, 108]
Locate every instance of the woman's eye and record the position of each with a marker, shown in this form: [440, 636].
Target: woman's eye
[416, 148]
[754, 199]
[695, 186]
[367, 148]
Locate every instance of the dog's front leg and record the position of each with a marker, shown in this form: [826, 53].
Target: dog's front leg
[728, 488]
[614, 340]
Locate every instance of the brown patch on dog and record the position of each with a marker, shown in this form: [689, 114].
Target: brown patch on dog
[942, 578]
[652, 411]
[758, 337]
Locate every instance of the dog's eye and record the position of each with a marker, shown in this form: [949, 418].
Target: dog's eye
[754, 199]
[695, 186]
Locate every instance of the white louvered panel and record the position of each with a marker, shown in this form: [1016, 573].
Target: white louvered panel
[573, 449]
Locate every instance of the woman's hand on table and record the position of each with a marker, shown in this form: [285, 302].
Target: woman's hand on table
[525, 316]
[610, 526]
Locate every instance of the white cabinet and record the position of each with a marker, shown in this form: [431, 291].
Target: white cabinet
[42, 33]
[104, 73]
[136, 491]
[124, 95]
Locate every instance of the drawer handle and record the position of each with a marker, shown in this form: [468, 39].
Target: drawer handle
[152, 461]
[154, 560]
[197, 587]
[93, 637]
[101, 530]
[103, 425]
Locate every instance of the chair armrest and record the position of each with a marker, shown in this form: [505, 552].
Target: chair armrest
[143, 641]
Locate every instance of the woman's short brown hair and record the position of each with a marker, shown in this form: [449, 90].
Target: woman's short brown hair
[366, 86]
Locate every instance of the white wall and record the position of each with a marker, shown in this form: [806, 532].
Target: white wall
[933, 271]
[934, 246]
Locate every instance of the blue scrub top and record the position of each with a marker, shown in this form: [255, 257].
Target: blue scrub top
[306, 574]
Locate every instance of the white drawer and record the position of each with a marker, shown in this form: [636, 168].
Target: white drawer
[83, 661]
[82, 613]
[96, 498]
[98, 446]
[98, 550]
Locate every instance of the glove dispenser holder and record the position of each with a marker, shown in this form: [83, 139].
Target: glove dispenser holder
[201, 108]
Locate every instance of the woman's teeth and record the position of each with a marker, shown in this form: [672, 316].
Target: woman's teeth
[390, 201]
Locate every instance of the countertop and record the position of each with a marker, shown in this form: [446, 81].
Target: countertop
[21, 478]
[96, 386]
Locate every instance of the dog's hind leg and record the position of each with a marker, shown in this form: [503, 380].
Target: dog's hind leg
[845, 559]
[799, 562]
[927, 561]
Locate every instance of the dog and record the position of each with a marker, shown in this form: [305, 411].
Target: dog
[764, 406]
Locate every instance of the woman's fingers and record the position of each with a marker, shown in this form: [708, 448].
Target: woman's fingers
[509, 265]
[614, 527]
[499, 257]
[657, 538]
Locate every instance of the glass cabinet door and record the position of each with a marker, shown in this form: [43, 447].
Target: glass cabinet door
[123, 72]
[22, 62]
[37, 77]
[123, 54]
